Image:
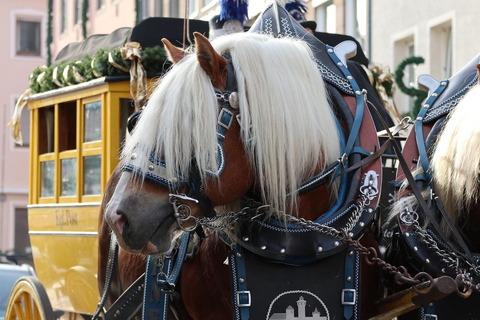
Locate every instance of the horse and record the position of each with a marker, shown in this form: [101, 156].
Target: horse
[240, 140]
[437, 227]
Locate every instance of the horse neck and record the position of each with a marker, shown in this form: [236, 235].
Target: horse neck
[314, 203]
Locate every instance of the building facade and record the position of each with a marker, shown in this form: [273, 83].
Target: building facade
[24, 29]
[440, 31]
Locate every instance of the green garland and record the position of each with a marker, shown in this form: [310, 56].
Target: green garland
[154, 60]
[49, 32]
[84, 18]
[411, 91]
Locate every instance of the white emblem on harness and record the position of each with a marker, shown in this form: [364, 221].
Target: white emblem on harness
[317, 309]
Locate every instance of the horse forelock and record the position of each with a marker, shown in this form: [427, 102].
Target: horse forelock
[455, 161]
[288, 127]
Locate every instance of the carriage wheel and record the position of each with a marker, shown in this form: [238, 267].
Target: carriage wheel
[29, 301]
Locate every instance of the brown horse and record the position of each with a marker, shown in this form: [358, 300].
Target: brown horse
[442, 151]
[280, 145]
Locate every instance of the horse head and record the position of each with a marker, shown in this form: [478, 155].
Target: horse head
[245, 113]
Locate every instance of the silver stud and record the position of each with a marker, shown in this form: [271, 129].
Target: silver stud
[233, 100]
[443, 83]
[427, 260]
[358, 92]
[139, 288]
[369, 210]
[349, 77]
[443, 270]
[241, 280]
[362, 224]
[426, 106]
[434, 94]
[151, 167]
[330, 50]
[174, 180]
[349, 278]
[264, 247]
[239, 255]
[350, 253]
[133, 156]
[419, 119]
[350, 234]
[336, 243]
[407, 234]
[320, 249]
[118, 312]
[282, 250]
[245, 239]
[339, 64]
[415, 248]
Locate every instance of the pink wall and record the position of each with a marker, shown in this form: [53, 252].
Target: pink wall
[14, 172]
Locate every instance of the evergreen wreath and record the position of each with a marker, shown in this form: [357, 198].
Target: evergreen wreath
[411, 91]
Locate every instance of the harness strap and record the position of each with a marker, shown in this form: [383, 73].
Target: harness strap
[111, 266]
[360, 100]
[422, 149]
[129, 304]
[241, 294]
[349, 293]
[416, 191]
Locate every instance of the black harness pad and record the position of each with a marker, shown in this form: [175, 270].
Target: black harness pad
[314, 291]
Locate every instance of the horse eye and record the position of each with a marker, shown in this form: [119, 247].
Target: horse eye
[132, 121]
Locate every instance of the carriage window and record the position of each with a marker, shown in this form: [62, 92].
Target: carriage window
[92, 170]
[93, 121]
[69, 177]
[67, 126]
[48, 178]
[46, 130]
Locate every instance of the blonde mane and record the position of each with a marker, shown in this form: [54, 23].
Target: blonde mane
[288, 127]
[455, 162]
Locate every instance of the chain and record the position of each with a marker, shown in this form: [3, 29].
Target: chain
[463, 276]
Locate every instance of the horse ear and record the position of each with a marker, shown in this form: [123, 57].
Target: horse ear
[175, 54]
[478, 71]
[210, 61]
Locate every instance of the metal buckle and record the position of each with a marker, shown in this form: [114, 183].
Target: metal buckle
[354, 300]
[430, 317]
[249, 299]
[221, 118]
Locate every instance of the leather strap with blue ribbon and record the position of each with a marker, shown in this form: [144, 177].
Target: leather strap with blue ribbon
[350, 290]
[360, 104]
[422, 149]
[161, 284]
[241, 295]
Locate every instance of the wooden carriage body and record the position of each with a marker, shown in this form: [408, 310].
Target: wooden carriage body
[76, 137]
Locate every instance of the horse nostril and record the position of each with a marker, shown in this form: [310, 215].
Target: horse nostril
[120, 222]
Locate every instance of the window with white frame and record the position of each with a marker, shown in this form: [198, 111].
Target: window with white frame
[174, 11]
[158, 8]
[441, 50]
[143, 9]
[356, 19]
[191, 6]
[77, 14]
[63, 16]
[326, 16]
[28, 37]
